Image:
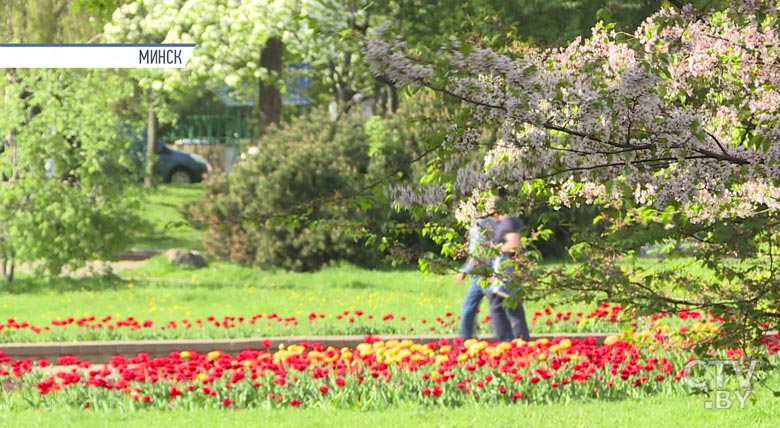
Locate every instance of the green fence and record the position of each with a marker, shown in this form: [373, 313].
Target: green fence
[228, 128]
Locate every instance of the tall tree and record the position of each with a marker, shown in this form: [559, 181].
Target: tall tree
[240, 44]
[65, 195]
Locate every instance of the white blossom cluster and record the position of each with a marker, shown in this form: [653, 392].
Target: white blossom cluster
[229, 36]
[467, 210]
[389, 59]
[407, 197]
[470, 177]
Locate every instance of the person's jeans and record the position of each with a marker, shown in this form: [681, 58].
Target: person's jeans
[468, 311]
[509, 323]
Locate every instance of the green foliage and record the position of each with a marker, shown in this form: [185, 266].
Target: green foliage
[52, 21]
[311, 196]
[507, 25]
[83, 204]
[102, 8]
[163, 223]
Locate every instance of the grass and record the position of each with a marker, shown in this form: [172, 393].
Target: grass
[674, 411]
[166, 227]
[162, 293]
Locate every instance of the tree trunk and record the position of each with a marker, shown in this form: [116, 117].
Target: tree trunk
[270, 99]
[393, 99]
[151, 145]
[7, 266]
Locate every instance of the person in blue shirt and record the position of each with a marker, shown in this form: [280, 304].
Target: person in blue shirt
[508, 323]
[480, 235]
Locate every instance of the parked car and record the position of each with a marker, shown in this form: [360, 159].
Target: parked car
[174, 166]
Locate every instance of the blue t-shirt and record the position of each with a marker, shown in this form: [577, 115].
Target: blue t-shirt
[507, 225]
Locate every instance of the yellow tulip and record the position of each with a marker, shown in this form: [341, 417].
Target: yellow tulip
[316, 355]
[478, 346]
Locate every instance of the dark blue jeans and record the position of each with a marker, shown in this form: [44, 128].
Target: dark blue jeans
[509, 323]
[468, 311]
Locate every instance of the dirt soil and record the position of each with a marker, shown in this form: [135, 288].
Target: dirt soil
[93, 267]
[103, 267]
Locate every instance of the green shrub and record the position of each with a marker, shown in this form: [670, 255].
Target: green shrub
[307, 198]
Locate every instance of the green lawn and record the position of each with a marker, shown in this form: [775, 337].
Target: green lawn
[165, 225]
[161, 293]
[675, 411]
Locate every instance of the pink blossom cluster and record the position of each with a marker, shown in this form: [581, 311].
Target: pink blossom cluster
[686, 111]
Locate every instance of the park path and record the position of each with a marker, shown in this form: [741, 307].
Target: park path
[130, 259]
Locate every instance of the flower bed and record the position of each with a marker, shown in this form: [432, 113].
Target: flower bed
[374, 374]
[605, 318]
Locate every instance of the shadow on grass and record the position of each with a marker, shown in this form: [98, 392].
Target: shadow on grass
[35, 285]
[359, 285]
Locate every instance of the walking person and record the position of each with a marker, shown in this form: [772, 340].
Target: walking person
[508, 323]
[480, 235]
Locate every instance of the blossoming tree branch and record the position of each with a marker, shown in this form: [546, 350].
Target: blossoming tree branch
[672, 131]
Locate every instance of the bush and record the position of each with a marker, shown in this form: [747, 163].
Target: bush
[306, 198]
